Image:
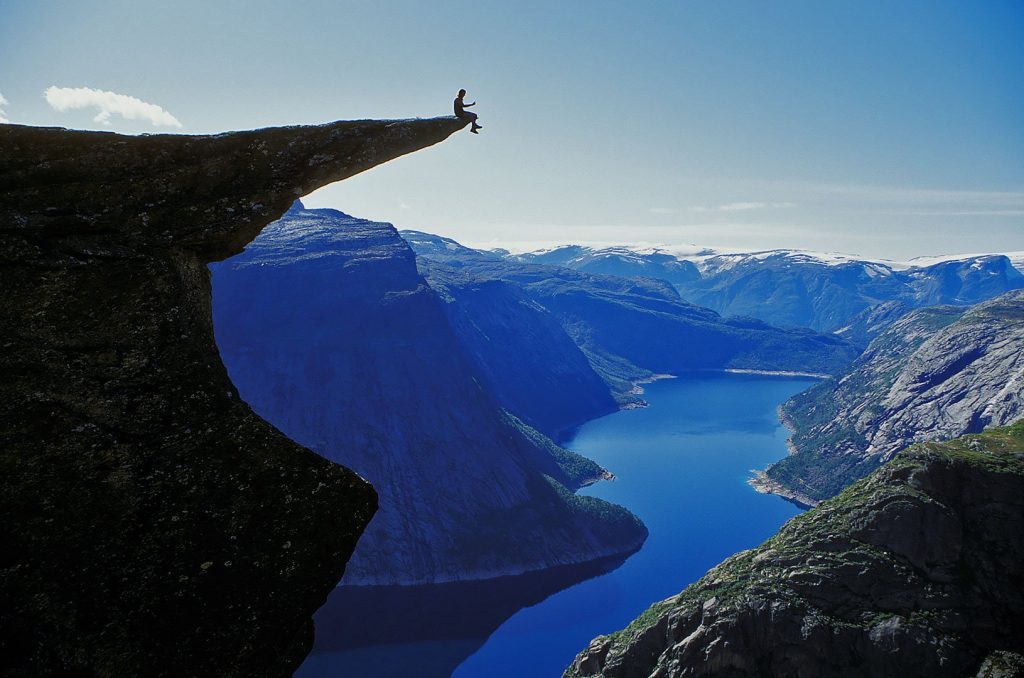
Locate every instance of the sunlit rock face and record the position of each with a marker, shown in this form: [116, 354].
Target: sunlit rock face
[152, 523]
[934, 374]
[331, 333]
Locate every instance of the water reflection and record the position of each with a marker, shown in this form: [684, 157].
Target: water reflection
[426, 631]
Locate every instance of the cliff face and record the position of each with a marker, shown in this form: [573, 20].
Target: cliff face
[530, 363]
[935, 374]
[330, 332]
[862, 328]
[152, 523]
[916, 570]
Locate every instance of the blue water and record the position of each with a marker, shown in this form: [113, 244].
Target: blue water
[681, 466]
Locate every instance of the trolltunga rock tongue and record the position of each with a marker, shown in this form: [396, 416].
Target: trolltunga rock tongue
[152, 523]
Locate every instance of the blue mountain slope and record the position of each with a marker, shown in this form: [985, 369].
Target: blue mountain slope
[641, 326]
[330, 333]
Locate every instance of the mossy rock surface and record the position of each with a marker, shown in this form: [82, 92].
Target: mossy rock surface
[917, 569]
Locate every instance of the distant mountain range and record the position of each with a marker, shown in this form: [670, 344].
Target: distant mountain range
[631, 328]
[792, 288]
[943, 336]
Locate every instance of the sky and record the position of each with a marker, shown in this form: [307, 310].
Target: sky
[886, 129]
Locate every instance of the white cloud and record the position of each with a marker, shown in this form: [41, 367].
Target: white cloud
[662, 210]
[3, 102]
[108, 103]
[743, 206]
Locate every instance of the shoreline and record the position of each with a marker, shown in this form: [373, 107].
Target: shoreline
[775, 373]
[762, 484]
[638, 390]
[638, 384]
[765, 485]
[604, 475]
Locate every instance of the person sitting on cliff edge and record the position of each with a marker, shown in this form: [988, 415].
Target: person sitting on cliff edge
[461, 112]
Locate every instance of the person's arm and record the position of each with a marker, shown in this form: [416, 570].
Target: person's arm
[468, 105]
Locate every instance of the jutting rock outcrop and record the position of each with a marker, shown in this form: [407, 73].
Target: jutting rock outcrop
[916, 570]
[152, 523]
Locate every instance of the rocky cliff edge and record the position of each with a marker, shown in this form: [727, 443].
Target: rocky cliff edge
[152, 524]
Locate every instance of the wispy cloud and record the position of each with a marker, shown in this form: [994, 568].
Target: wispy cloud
[108, 103]
[962, 213]
[742, 206]
[3, 103]
[662, 210]
[938, 197]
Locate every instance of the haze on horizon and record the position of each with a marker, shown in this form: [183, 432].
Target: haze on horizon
[868, 128]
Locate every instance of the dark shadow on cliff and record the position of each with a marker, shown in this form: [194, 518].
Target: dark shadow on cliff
[152, 524]
[426, 631]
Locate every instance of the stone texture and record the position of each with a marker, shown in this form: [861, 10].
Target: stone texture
[152, 524]
[916, 570]
[934, 374]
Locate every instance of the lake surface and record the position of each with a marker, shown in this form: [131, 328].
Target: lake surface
[681, 466]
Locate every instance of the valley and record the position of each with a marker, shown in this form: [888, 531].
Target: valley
[680, 464]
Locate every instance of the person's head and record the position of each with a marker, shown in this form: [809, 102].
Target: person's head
[462, 93]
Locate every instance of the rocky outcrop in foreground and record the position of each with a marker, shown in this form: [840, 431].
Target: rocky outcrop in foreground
[152, 524]
[917, 570]
[934, 374]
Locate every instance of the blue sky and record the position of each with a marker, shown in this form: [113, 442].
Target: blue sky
[888, 129]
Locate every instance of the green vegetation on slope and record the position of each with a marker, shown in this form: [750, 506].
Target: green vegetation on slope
[918, 567]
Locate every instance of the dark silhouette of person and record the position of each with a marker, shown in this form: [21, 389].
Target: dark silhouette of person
[461, 112]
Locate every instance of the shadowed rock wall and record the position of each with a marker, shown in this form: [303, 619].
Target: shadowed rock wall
[151, 523]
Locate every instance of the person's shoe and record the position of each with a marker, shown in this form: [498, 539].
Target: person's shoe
[474, 131]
